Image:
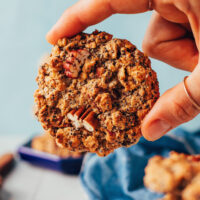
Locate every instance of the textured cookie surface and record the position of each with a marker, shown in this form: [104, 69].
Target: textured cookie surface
[178, 176]
[94, 92]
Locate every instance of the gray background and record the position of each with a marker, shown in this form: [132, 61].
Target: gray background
[23, 26]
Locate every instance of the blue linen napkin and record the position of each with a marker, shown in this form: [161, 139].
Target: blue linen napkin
[119, 176]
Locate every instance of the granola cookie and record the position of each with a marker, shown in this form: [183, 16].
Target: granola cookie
[177, 176]
[46, 143]
[94, 92]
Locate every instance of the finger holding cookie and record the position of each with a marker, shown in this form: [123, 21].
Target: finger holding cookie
[88, 12]
[174, 39]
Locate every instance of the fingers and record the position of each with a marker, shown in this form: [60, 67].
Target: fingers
[172, 10]
[89, 12]
[172, 109]
[78, 17]
[191, 9]
[170, 43]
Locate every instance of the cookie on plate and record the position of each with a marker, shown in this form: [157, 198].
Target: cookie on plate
[94, 91]
[177, 176]
[46, 143]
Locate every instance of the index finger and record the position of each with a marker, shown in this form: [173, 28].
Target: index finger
[89, 12]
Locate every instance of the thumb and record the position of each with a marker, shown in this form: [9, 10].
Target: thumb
[173, 108]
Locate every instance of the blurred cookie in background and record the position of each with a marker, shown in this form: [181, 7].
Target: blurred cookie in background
[6, 165]
[46, 143]
[178, 176]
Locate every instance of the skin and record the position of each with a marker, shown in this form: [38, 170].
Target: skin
[172, 37]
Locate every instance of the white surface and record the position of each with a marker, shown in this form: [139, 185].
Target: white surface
[27, 182]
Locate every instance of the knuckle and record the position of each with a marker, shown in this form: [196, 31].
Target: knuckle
[181, 113]
[184, 5]
[148, 47]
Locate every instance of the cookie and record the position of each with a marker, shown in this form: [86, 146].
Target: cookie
[46, 143]
[94, 91]
[177, 176]
[7, 163]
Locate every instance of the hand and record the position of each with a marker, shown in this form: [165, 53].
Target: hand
[172, 37]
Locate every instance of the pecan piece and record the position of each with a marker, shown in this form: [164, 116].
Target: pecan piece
[77, 122]
[70, 71]
[82, 117]
[70, 115]
[74, 115]
[85, 114]
[90, 122]
[74, 62]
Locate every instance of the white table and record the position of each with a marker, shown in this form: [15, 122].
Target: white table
[28, 182]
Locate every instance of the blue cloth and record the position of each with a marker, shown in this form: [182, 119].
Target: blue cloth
[119, 176]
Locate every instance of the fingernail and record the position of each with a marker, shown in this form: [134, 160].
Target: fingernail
[157, 129]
